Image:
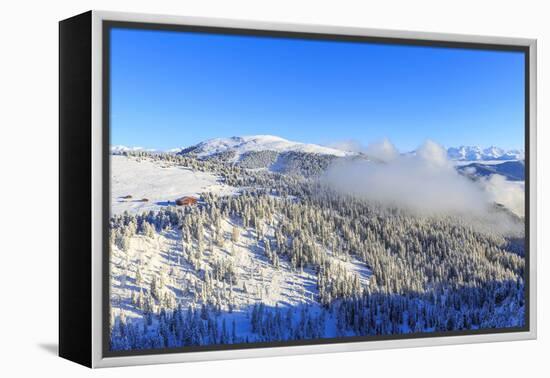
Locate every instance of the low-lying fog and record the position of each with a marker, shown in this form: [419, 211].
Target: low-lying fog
[426, 181]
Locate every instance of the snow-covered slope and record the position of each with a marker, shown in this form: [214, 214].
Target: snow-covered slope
[475, 153]
[242, 145]
[152, 184]
[256, 279]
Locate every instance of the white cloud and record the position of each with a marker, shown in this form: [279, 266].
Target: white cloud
[425, 182]
[383, 150]
[507, 193]
[347, 146]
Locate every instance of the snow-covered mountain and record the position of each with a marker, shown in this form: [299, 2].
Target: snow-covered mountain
[475, 153]
[120, 149]
[269, 152]
[234, 148]
[241, 145]
[513, 170]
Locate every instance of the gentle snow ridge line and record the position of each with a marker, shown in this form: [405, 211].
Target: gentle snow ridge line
[260, 143]
[256, 143]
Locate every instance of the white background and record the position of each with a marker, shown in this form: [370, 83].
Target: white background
[28, 185]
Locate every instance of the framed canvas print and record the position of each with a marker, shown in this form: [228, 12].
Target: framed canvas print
[236, 189]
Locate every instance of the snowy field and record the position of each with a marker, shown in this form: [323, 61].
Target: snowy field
[157, 182]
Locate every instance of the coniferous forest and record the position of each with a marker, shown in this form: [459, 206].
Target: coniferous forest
[285, 257]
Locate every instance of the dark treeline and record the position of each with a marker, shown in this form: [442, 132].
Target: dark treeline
[369, 315]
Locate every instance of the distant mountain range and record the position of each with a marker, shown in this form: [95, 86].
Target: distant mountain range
[237, 146]
[475, 153]
[120, 149]
[512, 170]
[241, 145]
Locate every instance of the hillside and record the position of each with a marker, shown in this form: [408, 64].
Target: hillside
[273, 254]
[511, 170]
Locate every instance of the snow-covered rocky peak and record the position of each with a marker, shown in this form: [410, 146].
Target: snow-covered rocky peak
[493, 152]
[472, 153]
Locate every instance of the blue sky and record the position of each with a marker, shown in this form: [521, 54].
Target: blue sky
[173, 89]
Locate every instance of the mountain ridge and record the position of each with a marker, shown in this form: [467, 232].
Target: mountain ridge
[255, 143]
[476, 153]
[237, 146]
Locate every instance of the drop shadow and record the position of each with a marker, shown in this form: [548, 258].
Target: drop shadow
[51, 348]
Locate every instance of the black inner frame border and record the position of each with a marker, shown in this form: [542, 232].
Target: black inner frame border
[108, 25]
